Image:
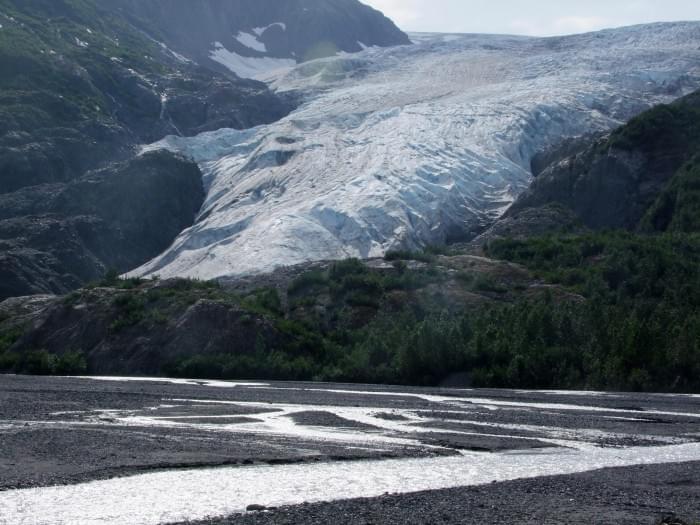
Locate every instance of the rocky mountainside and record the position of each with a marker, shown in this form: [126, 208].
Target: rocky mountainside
[299, 322]
[55, 237]
[85, 83]
[641, 177]
[378, 161]
[81, 87]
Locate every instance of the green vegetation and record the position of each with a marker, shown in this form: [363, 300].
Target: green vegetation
[677, 209]
[131, 310]
[41, 362]
[670, 129]
[427, 255]
[626, 317]
[400, 255]
[609, 310]
[9, 337]
[637, 326]
[39, 86]
[36, 362]
[606, 311]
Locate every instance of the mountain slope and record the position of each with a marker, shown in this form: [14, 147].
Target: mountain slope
[612, 182]
[75, 74]
[677, 208]
[414, 145]
[81, 88]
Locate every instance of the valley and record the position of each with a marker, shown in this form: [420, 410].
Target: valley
[280, 262]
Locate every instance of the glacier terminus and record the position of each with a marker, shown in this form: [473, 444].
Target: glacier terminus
[413, 145]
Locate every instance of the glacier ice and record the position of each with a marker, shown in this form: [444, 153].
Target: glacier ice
[412, 145]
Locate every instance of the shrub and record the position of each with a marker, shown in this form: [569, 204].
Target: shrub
[405, 255]
[306, 281]
[9, 361]
[341, 269]
[264, 301]
[131, 310]
[486, 283]
[38, 362]
[9, 337]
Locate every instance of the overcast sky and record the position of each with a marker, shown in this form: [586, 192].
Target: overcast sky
[531, 17]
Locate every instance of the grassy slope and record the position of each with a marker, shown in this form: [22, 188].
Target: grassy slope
[45, 77]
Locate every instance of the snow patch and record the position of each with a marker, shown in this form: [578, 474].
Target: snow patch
[251, 42]
[260, 30]
[248, 67]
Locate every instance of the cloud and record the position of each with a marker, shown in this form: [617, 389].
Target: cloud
[563, 25]
[535, 17]
[579, 24]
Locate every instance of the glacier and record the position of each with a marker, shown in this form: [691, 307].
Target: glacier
[414, 145]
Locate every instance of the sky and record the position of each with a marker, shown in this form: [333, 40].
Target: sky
[531, 17]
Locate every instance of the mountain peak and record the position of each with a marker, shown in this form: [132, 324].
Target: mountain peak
[248, 37]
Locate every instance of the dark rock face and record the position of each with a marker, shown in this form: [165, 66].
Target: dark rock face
[531, 222]
[568, 148]
[605, 189]
[55, 237]
[81, 89]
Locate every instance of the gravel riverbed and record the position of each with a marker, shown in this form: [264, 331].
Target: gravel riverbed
[70, 433]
